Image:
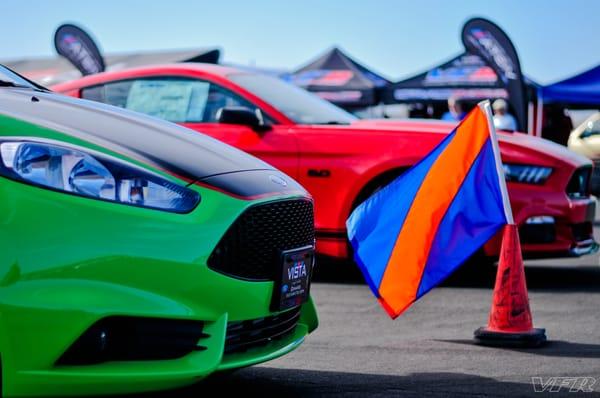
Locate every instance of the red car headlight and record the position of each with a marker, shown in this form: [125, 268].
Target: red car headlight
[527, 174]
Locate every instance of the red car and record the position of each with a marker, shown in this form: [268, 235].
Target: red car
[342, 160]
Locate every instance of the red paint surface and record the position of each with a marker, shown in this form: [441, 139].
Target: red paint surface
[357, 154]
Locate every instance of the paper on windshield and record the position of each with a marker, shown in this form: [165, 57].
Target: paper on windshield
[166, 99]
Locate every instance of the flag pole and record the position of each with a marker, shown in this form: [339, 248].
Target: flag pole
[487, 111]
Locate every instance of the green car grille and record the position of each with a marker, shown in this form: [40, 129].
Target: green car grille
[244, 335]
[251, 248]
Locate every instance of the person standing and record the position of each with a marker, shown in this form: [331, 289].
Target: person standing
[455, 110]
[502, 119]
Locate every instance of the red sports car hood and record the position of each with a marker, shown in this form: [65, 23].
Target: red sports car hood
[518, 146]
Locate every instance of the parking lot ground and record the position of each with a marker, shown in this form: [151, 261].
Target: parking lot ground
[428, 352]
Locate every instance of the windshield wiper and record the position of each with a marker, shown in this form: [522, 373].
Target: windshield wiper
[333, 122]
[6, 83]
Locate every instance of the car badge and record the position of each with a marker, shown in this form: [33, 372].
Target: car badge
[278, 180]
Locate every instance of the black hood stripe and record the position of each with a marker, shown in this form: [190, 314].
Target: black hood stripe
[253, 184]
[167, 146]
[183, 153]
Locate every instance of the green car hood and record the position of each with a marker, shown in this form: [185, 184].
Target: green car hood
[158, 143]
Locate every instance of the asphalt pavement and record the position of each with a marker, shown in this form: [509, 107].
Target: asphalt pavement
[428, 351]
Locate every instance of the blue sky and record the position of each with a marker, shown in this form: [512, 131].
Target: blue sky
[554, 39]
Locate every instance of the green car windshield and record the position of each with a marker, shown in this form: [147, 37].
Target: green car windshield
[297, 104]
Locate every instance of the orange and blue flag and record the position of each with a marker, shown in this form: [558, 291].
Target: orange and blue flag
[412, 234]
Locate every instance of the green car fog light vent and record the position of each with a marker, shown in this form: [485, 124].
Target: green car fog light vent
[77, 171]
[120, 338]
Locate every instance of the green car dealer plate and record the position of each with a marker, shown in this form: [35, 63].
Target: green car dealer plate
[293, 285]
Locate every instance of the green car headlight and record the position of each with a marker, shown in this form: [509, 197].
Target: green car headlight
[527, 174]
[95, 176]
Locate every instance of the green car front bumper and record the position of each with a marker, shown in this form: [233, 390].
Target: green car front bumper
[67, 262]
[99, 296]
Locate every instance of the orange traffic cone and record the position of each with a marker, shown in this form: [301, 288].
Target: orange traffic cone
[510, 321]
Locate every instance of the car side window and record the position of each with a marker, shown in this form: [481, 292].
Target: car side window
[219, 97]
[111, 93]
[177, 100]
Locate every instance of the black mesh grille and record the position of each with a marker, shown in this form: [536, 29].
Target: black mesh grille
[122, 338]
[583, 231]
[537, 233]
[250, 249]
[579, 184]
[244, 335]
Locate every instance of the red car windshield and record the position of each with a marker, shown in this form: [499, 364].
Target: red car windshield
[297, 104]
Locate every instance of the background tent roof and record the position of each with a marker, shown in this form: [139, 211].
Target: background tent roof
[465, 76]
[338, 78]
[580, 90]
[49, 71]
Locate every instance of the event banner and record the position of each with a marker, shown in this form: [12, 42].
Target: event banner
[487, 40]
[78, 47]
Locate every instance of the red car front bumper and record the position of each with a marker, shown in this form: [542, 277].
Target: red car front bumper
[551, 224]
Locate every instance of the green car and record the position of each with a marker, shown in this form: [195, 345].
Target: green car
[137, 255]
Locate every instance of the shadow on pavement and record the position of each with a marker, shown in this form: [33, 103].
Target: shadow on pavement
[556, 348]
[268, 382]
[539, 278]
[337, 271]
[480, 275]
[581, 279]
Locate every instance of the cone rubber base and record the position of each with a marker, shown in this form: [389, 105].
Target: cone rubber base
[530, 339]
